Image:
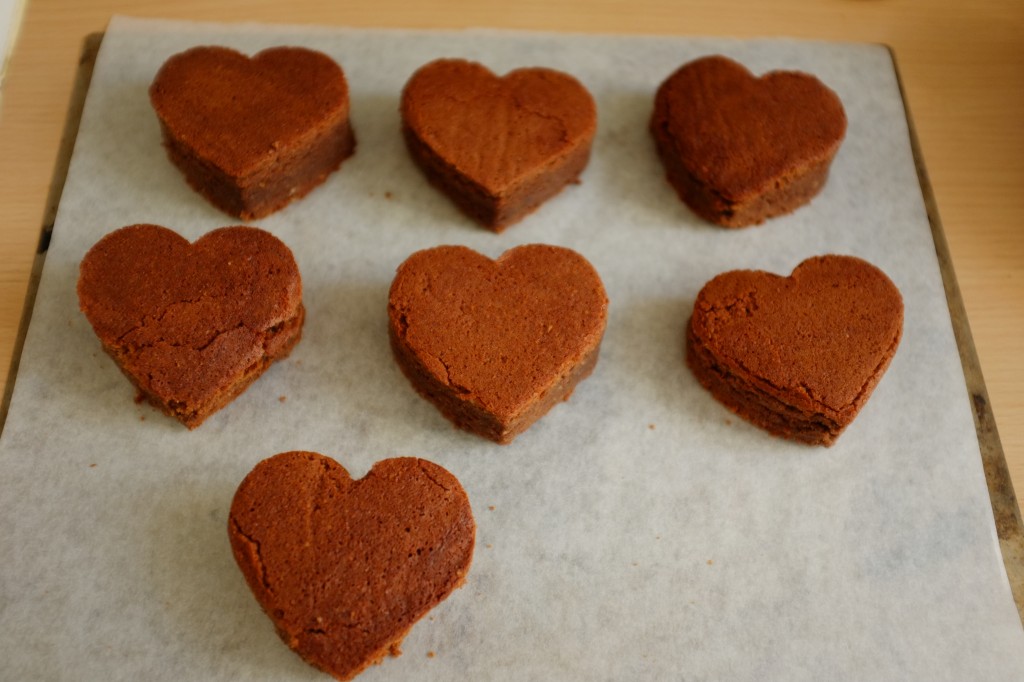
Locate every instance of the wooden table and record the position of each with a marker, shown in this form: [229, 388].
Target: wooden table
[961, 63]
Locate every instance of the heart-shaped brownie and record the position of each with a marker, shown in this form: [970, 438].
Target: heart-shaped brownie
[739, 149]
[192, 325]
[498, 147]
[345, 568]
[495, 344]
[798, 355]
[253, 134]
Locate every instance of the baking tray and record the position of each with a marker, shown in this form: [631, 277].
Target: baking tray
[1005, 510]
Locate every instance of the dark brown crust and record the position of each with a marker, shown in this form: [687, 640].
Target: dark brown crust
[805, 387]
[192, 326]
[497, 147]
[252, 165]
[345, 568]
[255, 196]
[702, 115]
[494, 345]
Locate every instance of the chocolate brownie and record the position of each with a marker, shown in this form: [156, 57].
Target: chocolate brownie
[738, 149]
[495, 344]
[799, 355]
[192, 325]
[497, 147]
[252, 135]
[344, 568]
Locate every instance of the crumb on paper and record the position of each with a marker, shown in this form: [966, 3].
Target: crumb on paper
[282, 398]
[491, 507]
[431, 654]
[711, 562]
[650, 426]
[489, 546]
[93, 465]
[389, 195]
[142, 417]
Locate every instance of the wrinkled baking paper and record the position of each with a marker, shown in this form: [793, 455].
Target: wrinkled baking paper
[637, 532]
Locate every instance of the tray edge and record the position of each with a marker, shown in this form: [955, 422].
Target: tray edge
[83, 77]
[1003, 500]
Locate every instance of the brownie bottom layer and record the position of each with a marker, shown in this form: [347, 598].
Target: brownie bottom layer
[290, 176]
[766, 410]
[453, 401]
[785, 195]
[497, 211]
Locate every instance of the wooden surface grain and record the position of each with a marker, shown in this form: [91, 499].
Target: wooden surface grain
[962, 65]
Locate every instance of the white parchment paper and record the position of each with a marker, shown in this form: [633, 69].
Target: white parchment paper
[637, 532]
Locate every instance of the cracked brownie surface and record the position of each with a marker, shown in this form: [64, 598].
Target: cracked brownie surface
[799, 355]
[495, 344]
[192, 325]
[344, 567]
